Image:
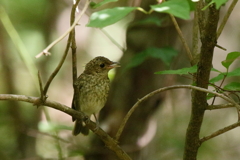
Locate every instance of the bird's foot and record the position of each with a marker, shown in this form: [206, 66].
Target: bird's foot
[86, 119]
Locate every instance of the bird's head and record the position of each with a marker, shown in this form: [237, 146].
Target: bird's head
[100, 65]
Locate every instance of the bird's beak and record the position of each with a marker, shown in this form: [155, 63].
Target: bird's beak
[114, 65]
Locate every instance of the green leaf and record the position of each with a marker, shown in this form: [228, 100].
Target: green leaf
[151, 20]
[234, 86]
[217, 78]
[107, 17]
[235, 72]
[96, 5]
[165, 54]
[219, 3]
[210, 95]
[232, 56]
[215, 70]
[178, 8]
[182, 71]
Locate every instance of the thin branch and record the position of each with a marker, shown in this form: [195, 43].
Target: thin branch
[46, 50]
[40, 86]
[230, 9]
[221, 106]
[73, 42]
[220, 47]
[58, 67]
[189, 54]
[110, 143]
[113, 40]
[136, 105]
[219, 132]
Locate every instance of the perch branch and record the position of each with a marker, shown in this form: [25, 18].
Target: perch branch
[136, 105]
[110, 143]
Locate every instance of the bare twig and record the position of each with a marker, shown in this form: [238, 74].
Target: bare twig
[220, 131]
[112, 40]
[221, 106]
[220, 47]
[230, 9]
[58, 67]
[40, 85]
[135, 106]
[46, 50]
[110, 143]
[189, 54]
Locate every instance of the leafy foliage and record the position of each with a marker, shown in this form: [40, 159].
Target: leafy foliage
[103, 18]
[219, 3]
[182, 71]
[230, 58]
[234, 86]
[178, 8]
[165, 54]
[96, 5]
[107, 17]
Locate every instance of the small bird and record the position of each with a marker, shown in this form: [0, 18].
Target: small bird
[93, 85]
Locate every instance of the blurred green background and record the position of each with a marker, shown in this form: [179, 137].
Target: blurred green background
[27, 132]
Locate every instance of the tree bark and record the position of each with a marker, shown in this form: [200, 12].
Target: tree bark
[199, 99]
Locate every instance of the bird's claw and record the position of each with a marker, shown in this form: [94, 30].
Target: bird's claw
[86, 119]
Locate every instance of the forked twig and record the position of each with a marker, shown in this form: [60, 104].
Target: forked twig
[46, 50]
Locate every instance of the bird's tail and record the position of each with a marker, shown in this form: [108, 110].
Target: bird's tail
[80, 128]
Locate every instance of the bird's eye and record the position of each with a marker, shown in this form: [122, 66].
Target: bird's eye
[102, 65]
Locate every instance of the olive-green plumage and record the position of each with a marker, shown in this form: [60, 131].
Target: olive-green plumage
[93, 85]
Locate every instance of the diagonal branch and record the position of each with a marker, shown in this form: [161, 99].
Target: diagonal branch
[136, 105]
[189, 54]
[110, 143]
[46, 50]
[220, 131]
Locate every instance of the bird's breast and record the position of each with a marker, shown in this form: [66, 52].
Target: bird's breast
[93, 95]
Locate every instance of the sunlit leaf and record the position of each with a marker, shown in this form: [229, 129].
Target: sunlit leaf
[178, 8]
[96, 5]
[230, 58]
[182, 71]
[107, 17]
[234, 86]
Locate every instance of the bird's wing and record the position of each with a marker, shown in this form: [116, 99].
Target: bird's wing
[75, 101]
